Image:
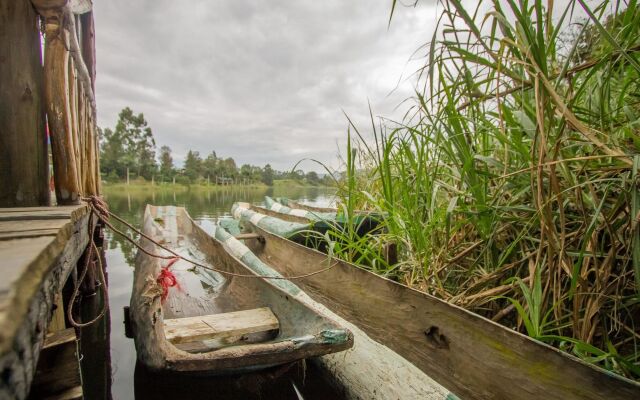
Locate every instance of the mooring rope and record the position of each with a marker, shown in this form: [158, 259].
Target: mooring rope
[93, 249]
[101, 210]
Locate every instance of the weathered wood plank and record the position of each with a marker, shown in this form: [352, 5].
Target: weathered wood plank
[220, 326]
[32, 225]
[57, 323]
[20, 214]
[67, 210]
[29, 234]
[247, 236]
[58, 369]
[24, 167]
[37, 269]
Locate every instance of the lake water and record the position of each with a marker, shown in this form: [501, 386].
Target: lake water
[128, 380]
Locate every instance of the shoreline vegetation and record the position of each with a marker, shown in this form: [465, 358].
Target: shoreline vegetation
[143, 185]
[510, 188]
[129, 151]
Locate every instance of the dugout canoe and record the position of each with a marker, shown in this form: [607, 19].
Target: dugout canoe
[323, 219]
[472, 356]
[212, 323]
[295, 204]
[368, 370]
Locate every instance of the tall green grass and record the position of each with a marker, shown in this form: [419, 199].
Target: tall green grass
[511, 186]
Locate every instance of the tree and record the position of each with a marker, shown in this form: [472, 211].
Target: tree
[312, 178]
[245, 172]
[140, 145]
[167, 169]
[130, 146]
[112, 152]
[267, 175]
[228, 168]
[210, 165]
[193, 166]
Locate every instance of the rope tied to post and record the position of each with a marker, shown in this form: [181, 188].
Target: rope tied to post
[101, 210]
[91, 252]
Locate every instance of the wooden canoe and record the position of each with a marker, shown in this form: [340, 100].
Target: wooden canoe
[295, 204]
[369, 370]
[364, 222]
[214, 323]
[472, 356]
[314, 215]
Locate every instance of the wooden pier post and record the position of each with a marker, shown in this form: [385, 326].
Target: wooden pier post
[24, 165]
[69, 74]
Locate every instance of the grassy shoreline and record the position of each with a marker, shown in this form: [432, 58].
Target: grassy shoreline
[177, 187]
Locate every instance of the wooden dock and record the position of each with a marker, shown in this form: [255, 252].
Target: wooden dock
[40, 248]
[46, 97]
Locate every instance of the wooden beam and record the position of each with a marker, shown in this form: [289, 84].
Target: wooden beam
[57, 323]
[58, 371]
[24, 167]
[232, 325]
[246, 236]
[88, 46]
[56, 64]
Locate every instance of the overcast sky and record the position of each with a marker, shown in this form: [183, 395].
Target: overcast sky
[260, 81]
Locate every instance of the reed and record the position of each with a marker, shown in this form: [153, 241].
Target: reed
[510, 187]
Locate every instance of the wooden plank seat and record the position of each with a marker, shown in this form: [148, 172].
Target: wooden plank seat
[208, 332]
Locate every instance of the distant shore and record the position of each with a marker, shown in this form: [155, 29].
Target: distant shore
[139, 185]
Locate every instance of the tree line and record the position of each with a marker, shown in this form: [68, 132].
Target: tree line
[129, 150]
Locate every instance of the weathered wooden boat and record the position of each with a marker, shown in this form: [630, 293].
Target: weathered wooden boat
[303, 230]
[323, 219]
[202, 321]
[368, 370]
[472, 356]
[276, 205]
[296, 204]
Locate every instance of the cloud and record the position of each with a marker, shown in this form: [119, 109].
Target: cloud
[260, 81]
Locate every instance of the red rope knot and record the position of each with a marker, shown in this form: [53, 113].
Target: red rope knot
[166, 279]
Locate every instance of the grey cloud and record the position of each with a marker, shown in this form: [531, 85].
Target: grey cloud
[262, 81]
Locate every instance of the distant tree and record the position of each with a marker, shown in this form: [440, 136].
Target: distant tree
[312, 178]
[167, 169]
[210, 165]
[129, 146]
[245, 172]
[229, 169]
[140, 145]
[328, 180]
[267, 175]
[193, 166]
[112, 153]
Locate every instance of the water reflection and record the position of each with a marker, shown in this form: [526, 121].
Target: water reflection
[203, 206]
[288, 382]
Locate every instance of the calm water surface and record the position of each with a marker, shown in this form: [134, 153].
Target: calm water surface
[130, 381]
